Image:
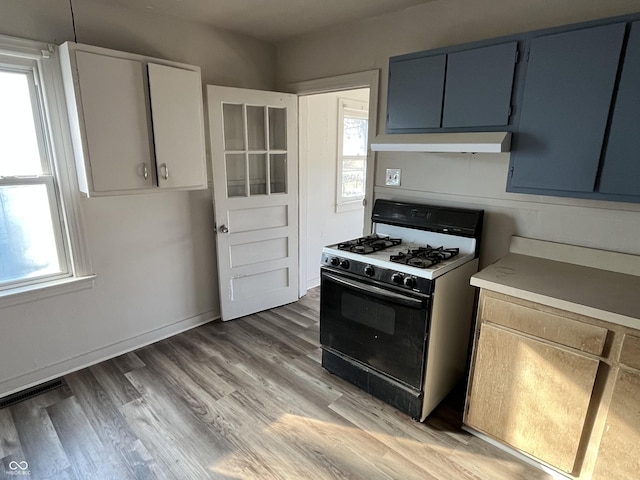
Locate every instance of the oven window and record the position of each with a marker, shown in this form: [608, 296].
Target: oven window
[358, 309]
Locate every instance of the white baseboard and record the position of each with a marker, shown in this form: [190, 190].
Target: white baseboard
[58, 369]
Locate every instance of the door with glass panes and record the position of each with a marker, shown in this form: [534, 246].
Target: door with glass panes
[254, 161]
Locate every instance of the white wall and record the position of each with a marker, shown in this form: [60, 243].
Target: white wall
[154, 254]
[458, 179]
[319, 149]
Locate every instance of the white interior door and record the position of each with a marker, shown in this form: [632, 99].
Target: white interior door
[254, 155]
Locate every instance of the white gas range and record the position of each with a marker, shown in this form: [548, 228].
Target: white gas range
[396, 306]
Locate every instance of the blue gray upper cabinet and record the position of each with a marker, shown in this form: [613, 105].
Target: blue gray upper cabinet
[451, 89]
[569, 84]
[416, 88]
[621, 167]
[478, 86]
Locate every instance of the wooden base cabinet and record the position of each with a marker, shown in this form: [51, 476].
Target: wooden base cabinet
[617, 455]
[531, 395]
[556, 386]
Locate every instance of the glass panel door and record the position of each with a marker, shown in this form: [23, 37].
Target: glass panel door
[256, 127]
[233, 126]
[255, 144]
[258, 174]
[236, 175]
[277, 128]
[278, 172]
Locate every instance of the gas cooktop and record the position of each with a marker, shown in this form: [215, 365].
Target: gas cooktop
[424, 257]
[368, 244]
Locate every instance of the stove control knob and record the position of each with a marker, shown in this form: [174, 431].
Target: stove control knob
[344, 263]
[335, 261]
[369, 271]
[410, 282]
[397, 278]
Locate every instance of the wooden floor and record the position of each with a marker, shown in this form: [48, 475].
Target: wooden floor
[246, 399]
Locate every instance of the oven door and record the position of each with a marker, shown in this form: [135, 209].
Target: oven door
[382, 328]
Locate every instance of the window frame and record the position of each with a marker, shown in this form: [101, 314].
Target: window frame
[59, 173]
[350, 108]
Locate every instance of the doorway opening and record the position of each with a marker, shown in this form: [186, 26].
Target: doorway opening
[313, 232]
[333, 132]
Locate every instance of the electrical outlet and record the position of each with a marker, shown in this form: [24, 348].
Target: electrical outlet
[393, 177]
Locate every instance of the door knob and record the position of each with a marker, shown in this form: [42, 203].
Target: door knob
[223, 229]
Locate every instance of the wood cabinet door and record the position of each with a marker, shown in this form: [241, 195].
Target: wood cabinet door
[416, 88]
[617, 456]
[621, 167]
[478, 86]
[568, 90]
[116, 122]
[178, 126]
[531, 395]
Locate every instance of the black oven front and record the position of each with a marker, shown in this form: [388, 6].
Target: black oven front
[372, 328]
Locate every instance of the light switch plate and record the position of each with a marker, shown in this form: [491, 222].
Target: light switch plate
[393, 177]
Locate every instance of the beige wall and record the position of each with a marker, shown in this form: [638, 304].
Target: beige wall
[318, 150]
[467, 180]
[154, 254]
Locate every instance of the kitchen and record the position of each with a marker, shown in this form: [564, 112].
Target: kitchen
[136, 291]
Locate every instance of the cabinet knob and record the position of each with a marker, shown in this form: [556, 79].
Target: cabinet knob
[145, 172]
[165, 169]
[223, 229]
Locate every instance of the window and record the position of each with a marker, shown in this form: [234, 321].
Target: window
[40, 243]
[353, 128]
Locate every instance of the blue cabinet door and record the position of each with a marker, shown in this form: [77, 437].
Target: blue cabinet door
[416, 88]
[478, 86]
[568, 90]
[621, 167]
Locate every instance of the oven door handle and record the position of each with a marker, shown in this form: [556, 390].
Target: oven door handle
[377, 291]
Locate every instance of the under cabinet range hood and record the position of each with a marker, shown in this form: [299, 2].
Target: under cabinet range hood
[459, 142]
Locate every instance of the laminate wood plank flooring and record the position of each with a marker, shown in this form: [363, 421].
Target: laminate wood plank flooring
[246, 399]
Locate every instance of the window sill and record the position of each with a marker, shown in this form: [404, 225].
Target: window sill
[39, 291]
[349, 206]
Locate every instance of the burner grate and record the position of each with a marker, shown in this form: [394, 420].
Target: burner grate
[369, 244]
[424, 257]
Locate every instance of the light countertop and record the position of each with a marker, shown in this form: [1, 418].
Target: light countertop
[595, 292]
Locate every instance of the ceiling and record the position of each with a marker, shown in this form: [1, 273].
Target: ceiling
[271, 20]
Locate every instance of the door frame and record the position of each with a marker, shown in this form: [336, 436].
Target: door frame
[367, 79]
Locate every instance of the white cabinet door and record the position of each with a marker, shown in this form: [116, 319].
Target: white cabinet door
[178, 127]
[115, 118]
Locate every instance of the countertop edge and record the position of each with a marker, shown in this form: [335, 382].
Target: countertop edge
[596, 313]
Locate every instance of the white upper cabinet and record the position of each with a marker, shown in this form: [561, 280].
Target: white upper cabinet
[177, 94]
[136, 122]
[117, 138]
